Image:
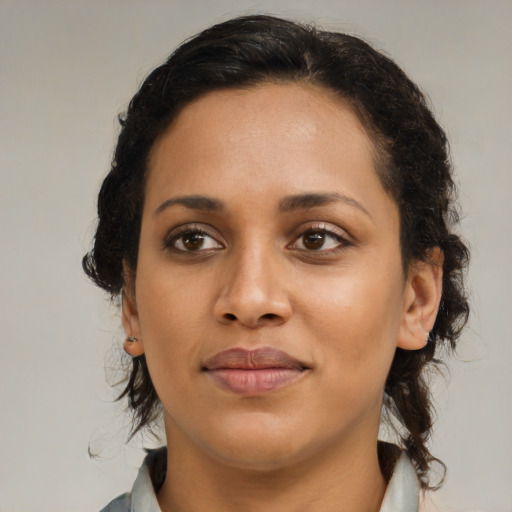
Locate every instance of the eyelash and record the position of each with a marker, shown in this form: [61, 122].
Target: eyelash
[178, 235]
[322, 229]
[181, 232]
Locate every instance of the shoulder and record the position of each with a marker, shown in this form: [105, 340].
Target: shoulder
[120, 504]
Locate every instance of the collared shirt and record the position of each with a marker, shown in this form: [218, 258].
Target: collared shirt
[401, 494]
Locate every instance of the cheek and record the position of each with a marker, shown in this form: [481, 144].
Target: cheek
[170, 314]
[356, 317]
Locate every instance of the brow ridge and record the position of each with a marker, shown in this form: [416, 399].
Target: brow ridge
[286, 205]
[194, 202]
[314, 200]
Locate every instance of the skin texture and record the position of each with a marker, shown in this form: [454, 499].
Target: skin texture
[341, 307]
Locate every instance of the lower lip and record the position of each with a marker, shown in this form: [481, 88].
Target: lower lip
[255, 382]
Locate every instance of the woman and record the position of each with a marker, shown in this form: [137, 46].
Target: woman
[278, 222]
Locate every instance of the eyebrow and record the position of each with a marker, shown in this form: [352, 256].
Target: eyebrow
[194, 203]
[305, 201]
[286, 205]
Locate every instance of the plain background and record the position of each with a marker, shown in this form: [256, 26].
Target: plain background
[67, 69]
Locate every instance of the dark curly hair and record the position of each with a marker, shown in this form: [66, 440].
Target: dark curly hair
[412, 162]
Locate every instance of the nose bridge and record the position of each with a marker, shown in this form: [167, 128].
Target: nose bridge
[252, 289]
[252, 274]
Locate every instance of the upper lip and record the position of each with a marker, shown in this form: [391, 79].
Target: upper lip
[256, 359]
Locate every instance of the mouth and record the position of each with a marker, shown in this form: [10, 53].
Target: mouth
[254, 372]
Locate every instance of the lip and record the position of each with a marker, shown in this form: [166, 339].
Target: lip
[254, 372]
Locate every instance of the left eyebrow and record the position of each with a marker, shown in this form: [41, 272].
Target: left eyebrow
[313, 200]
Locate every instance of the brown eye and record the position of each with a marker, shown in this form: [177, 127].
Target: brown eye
[322, 240]
[193, 241]
[313, 240]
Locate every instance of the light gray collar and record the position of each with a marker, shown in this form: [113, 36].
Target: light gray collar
[143, 495]
[403, 488]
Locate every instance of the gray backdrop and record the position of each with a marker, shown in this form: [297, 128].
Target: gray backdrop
[67, 69]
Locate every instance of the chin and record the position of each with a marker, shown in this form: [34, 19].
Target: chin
[261, 461]
[258, 445]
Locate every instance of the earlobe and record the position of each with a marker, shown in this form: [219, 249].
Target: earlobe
[130, 317]
[133, 346]
[422, 297]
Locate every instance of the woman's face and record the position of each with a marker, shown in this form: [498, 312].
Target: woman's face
[269, 292]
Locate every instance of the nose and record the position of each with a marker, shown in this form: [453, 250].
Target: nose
[252, 292]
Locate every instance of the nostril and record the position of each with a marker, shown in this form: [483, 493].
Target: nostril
[268, 317]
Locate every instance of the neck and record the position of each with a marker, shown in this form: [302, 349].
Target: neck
[339, 479]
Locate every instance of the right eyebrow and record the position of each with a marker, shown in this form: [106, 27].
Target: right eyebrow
[205, 203]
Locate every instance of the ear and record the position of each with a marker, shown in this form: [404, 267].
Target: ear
[133, 344]
[423, 291]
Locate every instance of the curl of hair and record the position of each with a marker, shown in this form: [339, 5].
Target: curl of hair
[411, 155]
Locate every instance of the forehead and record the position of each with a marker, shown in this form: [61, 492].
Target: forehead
[300, 111]
[264, 140]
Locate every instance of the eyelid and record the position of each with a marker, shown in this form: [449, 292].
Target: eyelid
[345, 240]
[178, 231]
[329, 229]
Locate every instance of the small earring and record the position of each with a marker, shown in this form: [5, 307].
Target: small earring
[133, 346]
